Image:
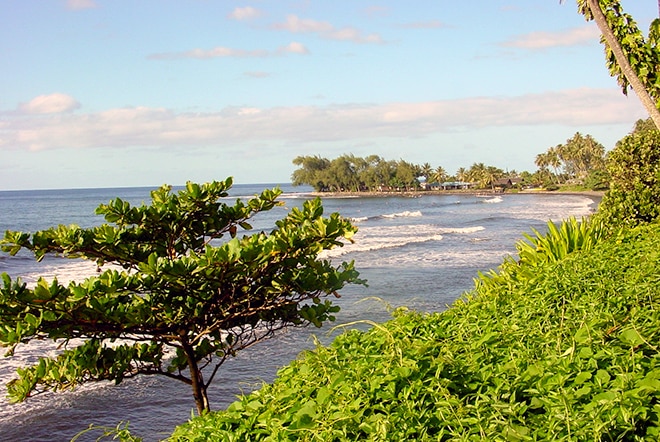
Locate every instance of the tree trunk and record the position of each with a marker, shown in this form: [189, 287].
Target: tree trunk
[623, 62]
[197, 379]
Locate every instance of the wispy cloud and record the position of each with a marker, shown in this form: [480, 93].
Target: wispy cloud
[225, 52]
[294, 48]
[158, 127]
[76, 5]
[50, 104]
[429, 24]
[326, 30]
[543, 40]
[257, 74]
[304, 25]
[217, 52]
[245, 13]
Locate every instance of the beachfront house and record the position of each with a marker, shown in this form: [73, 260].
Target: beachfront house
[506, 183]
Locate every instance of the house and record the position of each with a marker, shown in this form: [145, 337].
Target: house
[455, 185]
[506, 183]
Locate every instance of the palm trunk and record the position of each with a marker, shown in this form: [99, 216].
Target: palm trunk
[623, 62]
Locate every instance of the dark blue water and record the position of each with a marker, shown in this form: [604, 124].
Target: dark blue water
[418, 252]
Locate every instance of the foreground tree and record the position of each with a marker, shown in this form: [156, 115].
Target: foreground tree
[184, 298]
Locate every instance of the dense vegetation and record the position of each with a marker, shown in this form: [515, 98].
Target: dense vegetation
[558, 346]
[634, 167]
[581, 160]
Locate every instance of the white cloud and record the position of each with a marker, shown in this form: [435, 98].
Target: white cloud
[257, 74]
[248, 111]
[542, 40]
[157, 127]
[50, 104]
[296, 24]
[354, 35]
[295, 48]
[76, 5]
[430, 24]
[324, 29]
[217, 52]
[225, 52]
[245, 13]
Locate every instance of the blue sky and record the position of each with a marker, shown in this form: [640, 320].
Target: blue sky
[108, 93]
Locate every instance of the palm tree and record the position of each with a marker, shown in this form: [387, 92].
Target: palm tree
[542, 161]
[554, 161]
[439, 175]
[426, 171]
[478, 173]
[594, 10]
[461, 174]
[493, 174]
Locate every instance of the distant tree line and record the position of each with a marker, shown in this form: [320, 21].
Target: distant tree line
[580, 161]
[349, 173]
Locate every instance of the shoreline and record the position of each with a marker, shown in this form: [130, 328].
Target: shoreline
[595, 195]
[598, 194]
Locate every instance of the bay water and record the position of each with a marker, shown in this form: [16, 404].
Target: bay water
[422, 252]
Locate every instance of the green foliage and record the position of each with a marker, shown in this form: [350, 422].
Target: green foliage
[634, 166]
[181, 288]
[348, 173]
[598, 180]
[578, 159]
[558, 346]
[483, 176]
[571, 235]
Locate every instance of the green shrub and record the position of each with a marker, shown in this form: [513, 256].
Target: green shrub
[634, 195]
[559, 347]
[597, 180]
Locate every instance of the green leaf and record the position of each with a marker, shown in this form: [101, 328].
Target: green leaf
[631, 337]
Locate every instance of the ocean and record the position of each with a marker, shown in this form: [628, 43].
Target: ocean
[422, 252]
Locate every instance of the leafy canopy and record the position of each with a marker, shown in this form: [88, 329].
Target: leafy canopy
[634, 167]
[180, 297]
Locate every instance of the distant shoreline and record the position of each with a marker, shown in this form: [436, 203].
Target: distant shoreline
[413, 194]
[595, 196]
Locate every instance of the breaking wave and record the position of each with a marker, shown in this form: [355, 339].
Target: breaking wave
[404, 214]
[369, 239]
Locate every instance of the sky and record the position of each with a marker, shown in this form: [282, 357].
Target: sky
[117, 93]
